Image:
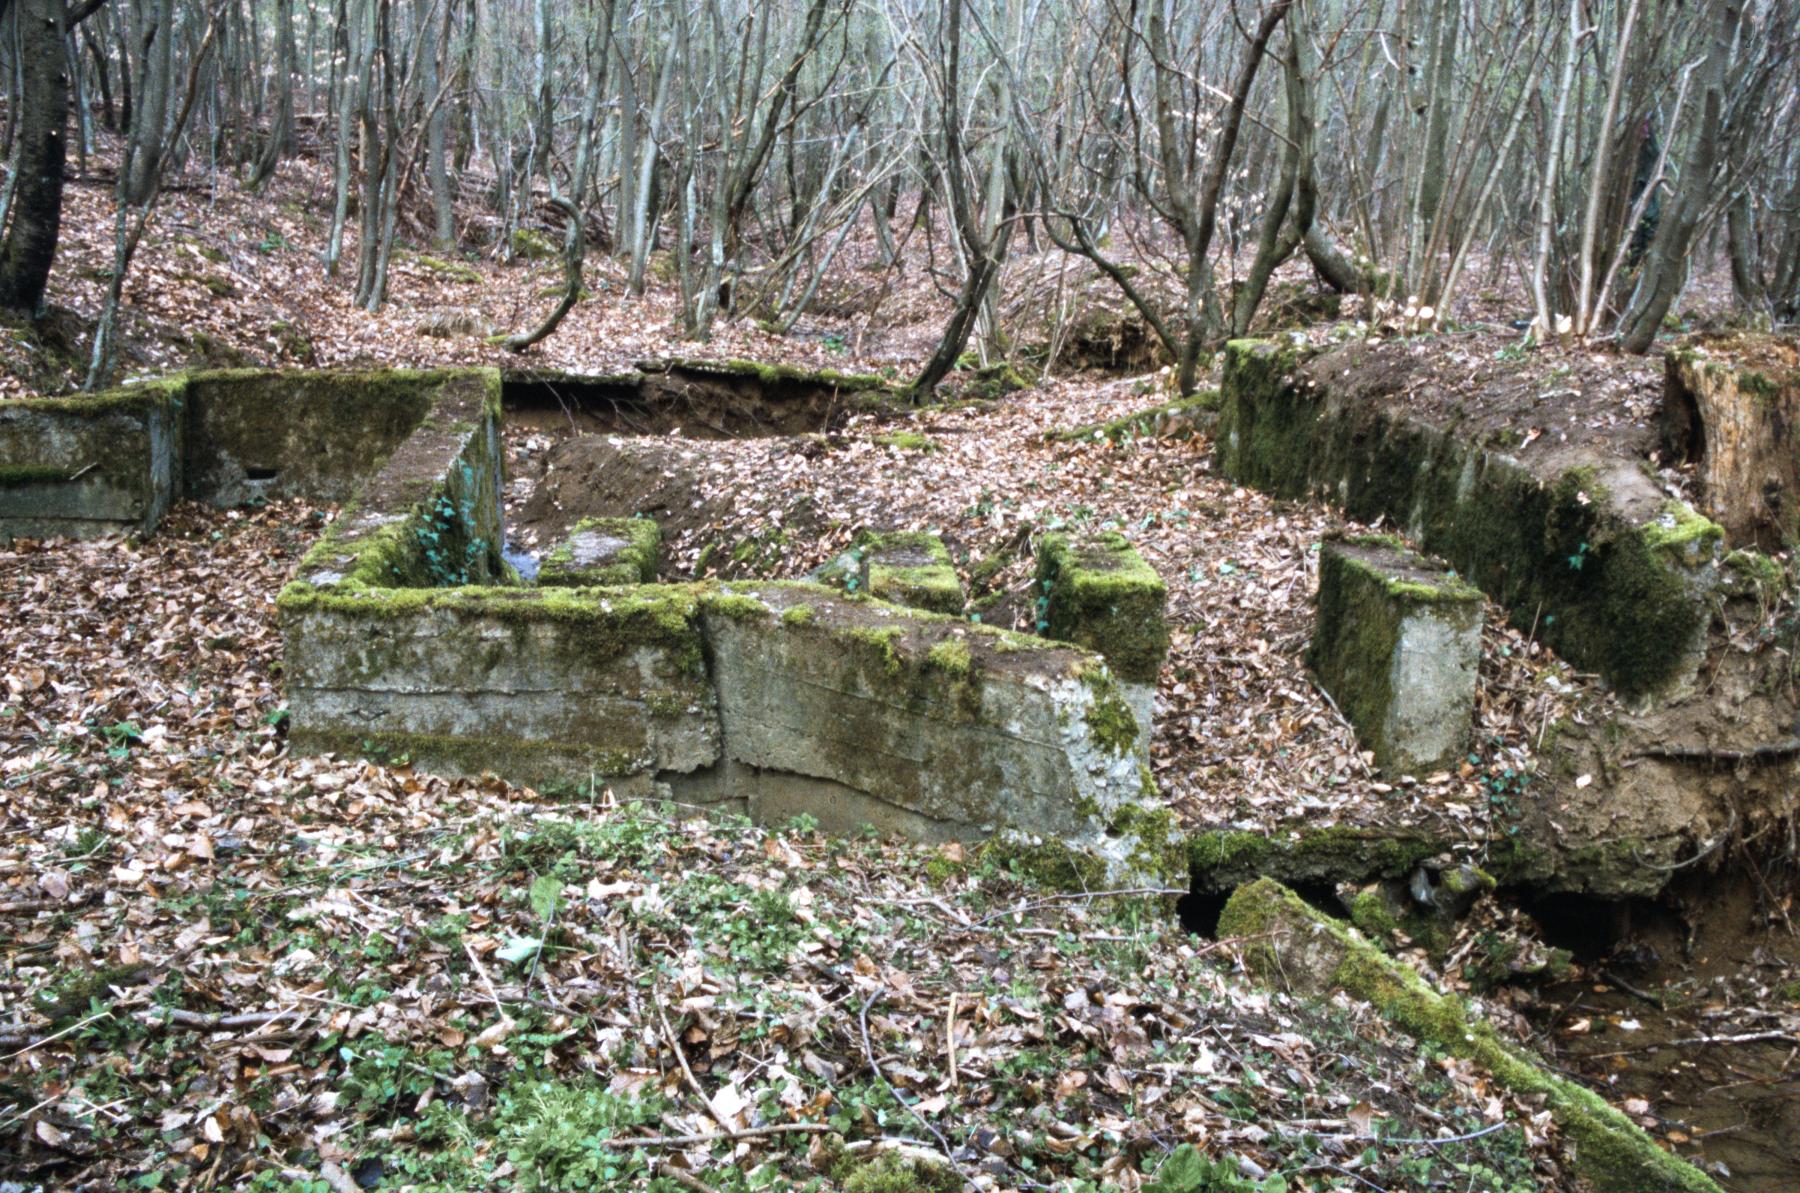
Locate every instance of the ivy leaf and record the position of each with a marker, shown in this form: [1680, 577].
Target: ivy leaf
[545, 890]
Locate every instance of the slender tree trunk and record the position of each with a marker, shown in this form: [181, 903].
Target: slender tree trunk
[1666, 263]
[35, 215]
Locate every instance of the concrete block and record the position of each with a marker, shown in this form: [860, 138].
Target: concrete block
[90, 466]
[1097, 592]
[600, 551]
[1397, 644]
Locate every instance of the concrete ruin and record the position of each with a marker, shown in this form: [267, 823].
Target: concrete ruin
[407, 636]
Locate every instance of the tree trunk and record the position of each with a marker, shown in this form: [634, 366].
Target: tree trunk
[1666, 263]
[1736, 415]
[35, 217]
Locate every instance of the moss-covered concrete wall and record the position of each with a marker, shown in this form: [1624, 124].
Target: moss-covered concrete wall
[1293, 946]
[431, 517]
[1589, 553]
[90, 466]
[315, 433]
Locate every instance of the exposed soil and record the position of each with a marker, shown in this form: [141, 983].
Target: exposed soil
[1529, 404]
[694, 403]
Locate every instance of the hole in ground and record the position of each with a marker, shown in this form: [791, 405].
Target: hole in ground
[1593, 929]
[261, 475]
[1199, 909]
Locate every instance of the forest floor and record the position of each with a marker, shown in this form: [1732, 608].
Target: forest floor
[230, 967]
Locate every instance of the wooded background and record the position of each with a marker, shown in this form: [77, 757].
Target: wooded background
[1591, 154]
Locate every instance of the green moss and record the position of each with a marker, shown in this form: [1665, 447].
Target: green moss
[31, 474]
[997, 380]
[951, 655]
[1109, 718]
[1152, 834]
[612, 620]
[797, 615]
[1100, 594]
[778, 375]
[162, 393]
[450, 271]
[880, 643]
[889, 1172]
[1610, 1150]
[1372, 912]
[1683, 535]
[634, 562]
[1044, 862]
[1222, 859]
[892, 570]
[528, 244]
[736, 606]
[910, 441]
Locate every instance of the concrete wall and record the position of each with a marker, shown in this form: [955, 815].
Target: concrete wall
[774, 699]
[85, 467]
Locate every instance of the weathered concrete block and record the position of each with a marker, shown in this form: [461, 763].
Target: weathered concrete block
[600, 551]
[537, 686]
[920, 724]
[1397, 643]
[90, 466]
[1098, 593]
[903, 567]
[911, 568]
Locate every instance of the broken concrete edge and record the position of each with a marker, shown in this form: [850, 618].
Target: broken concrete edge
[1220, 859]
[1284, 941]
[1098, 820]
[1177, 419]
[91, 465]
[1099, 593]
[1625, 595]
[632, 562]
[909, 567]
[430, 518]
[1397, 645]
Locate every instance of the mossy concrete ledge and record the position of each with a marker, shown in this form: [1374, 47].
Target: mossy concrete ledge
[911, 568]
[85, 467]
[1098, 592]
[602, 551]
[1584, 550]
[856, 711]
[1397, 644]
[1290, 944]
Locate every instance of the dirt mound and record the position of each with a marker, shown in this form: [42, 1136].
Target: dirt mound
[611, 476]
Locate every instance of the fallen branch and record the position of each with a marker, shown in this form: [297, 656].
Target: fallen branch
[723, 1136]
[1767, 752]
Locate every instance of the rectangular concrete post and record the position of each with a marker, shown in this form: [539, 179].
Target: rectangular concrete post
[1397, 644]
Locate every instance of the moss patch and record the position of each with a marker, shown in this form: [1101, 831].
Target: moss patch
[602, 551]
[1100, 594]
[1109, 718]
